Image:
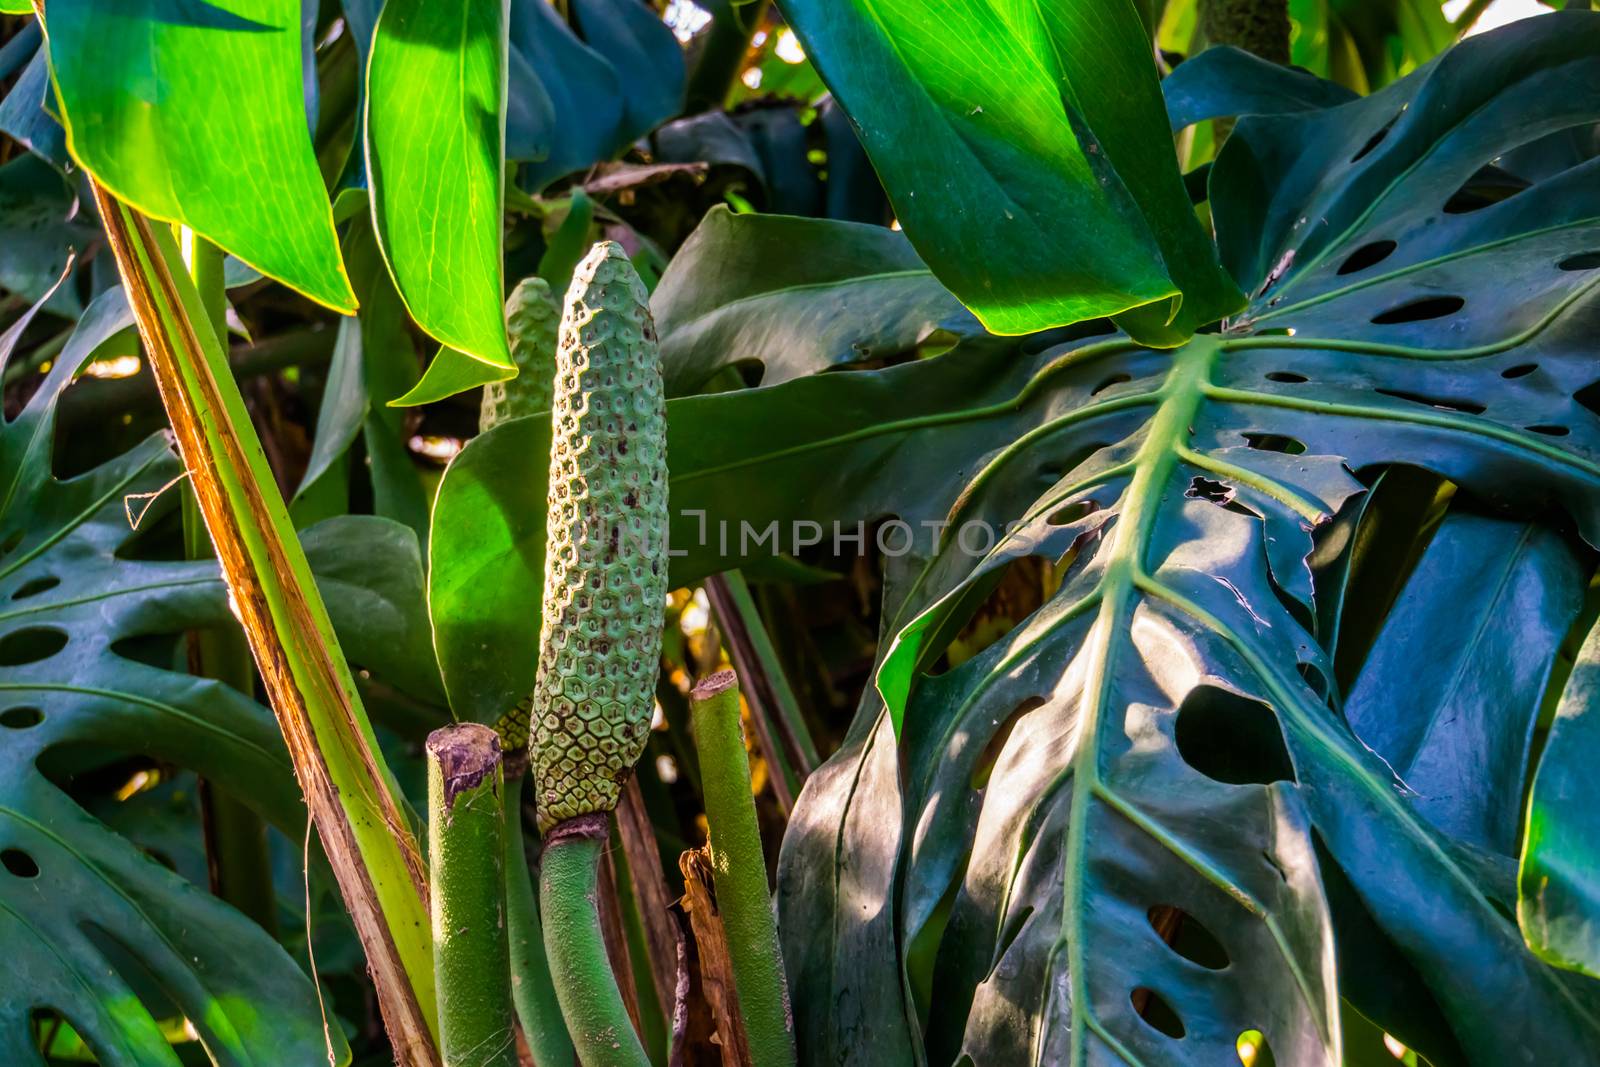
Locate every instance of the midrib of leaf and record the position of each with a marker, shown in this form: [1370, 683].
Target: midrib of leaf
[1182, 396]
[198, 723]
[157, 452]
[1033, 385]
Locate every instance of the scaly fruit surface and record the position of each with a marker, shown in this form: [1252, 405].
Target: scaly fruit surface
[533, 319]
[605, 544]
[533, 326]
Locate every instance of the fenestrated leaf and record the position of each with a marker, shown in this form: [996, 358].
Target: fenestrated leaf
[1024, 149]
[1162, 725]
[75, 590]
[436, 128]
[39, 231]
[150, 95]
[795, 297]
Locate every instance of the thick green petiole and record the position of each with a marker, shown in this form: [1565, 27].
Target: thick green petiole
[466, 861]
[569, 895]
[740, 872]
[531, 989]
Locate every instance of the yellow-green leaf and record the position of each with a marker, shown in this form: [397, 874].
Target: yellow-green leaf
[193, 112]
[435, 141]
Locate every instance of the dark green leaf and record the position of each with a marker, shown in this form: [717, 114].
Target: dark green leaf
[795, 297]
[39, 232]
[645, 55]
[1469, 684]
[79, 592]
[24, 115]
[586, 105]
[1228, 82]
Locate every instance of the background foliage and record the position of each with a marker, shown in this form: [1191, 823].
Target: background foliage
[1261, 731]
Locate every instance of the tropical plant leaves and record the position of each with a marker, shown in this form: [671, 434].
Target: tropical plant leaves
[76, 597]
[755, 290]
[95, 608]
[1558, 900]
[1408, 309]
[1023, 149]
[144, 89]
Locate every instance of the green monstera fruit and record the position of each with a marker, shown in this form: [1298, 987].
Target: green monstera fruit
[605, 548]
[533, 318]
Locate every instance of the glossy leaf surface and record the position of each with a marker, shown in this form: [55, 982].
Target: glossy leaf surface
[1024, 149]
[145, 89]
[435, 129]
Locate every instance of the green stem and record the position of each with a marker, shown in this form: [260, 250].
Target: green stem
[237, 859]
[349, 789]
[740, 872]
[785, 741]
[531, 988]
[569, 894]
[466, 857]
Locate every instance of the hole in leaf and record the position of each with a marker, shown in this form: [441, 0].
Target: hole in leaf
[1271, 442]
[11, 541]
[30, 645]
[1188, 937]
[1589, 397]
[1253, 1050]
[1374, 141]
[1521, 370]
[1153, 1009]
[982, 770]
[1115, 379]
[1201, 488]
[159, 538]
[1421, 310]
[153, 650]
[1581, 261]
[1231, 738]
[1549, 429]
[1068, 514]
[21, 718]
[1287, 377]
[989, 609]
[1368, 255]
[35, 587]
[1314, 678]
[19, 863]
[1488, 186]
[1465, 407]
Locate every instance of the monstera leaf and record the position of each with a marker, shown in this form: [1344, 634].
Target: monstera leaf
[91, 611]
[1163, 737]
[1141, 826]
